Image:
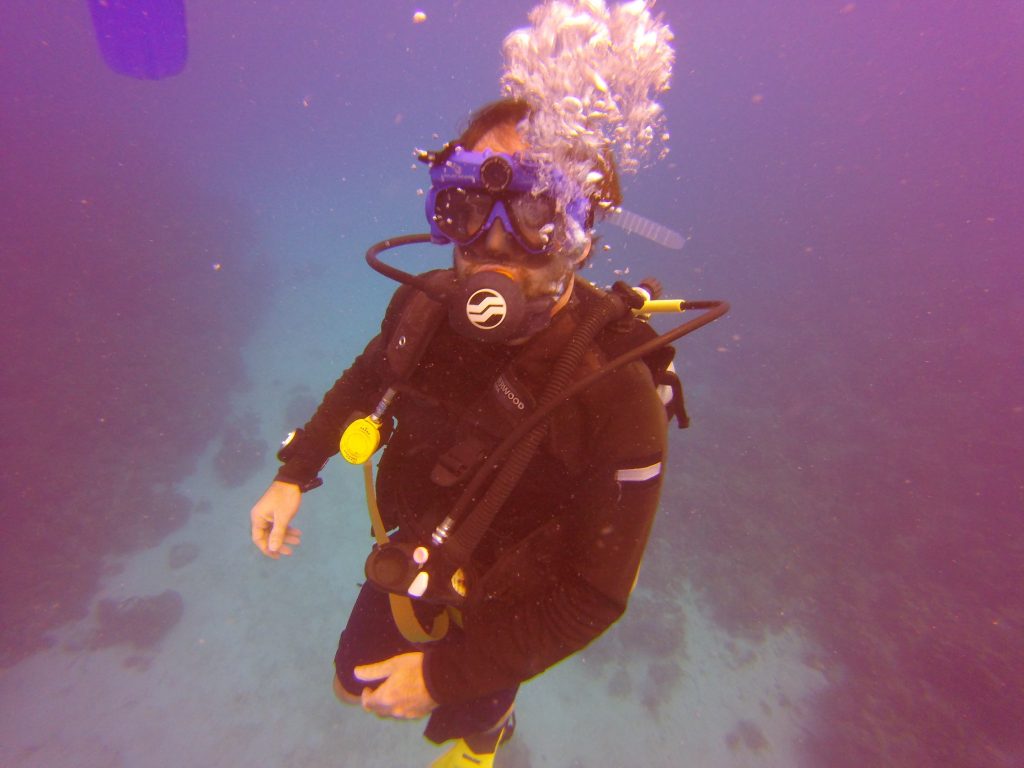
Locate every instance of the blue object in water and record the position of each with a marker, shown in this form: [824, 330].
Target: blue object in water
[145, 39]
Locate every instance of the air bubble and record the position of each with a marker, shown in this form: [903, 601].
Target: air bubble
[591, 71]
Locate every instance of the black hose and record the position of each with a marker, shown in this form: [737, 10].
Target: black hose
[516, 451]
[417, 281]
[458, 545]
[472, 528]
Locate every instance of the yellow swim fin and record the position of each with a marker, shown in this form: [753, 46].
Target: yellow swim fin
[461, 756]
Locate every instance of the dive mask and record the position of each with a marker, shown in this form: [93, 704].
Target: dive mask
[471, 190]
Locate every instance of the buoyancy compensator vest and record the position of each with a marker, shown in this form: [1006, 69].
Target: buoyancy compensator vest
[435, 570]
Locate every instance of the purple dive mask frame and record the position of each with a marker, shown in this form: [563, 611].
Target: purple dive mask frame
[471, 190]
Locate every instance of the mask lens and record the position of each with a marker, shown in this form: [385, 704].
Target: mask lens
[534, 217]
[460, 213]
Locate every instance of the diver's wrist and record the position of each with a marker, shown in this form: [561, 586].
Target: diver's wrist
[297, 468]
[304, 484]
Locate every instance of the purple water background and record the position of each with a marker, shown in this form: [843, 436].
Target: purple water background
[849, 176]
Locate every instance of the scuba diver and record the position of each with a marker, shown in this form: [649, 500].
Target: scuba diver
[524, 441]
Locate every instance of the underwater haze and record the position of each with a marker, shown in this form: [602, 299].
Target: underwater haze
[836, 575]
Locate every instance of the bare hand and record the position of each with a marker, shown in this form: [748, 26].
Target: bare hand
[271, 516]
[403, 693]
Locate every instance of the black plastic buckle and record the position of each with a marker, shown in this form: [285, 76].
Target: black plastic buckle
[458, 461]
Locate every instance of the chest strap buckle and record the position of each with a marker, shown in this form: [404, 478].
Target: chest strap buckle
[458, 461]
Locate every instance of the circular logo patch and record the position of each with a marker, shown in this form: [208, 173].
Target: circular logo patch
[486, 309]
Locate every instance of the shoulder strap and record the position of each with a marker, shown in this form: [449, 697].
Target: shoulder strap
[409, 334]
[628, 334]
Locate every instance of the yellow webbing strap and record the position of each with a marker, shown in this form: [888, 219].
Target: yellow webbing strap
[401, 606]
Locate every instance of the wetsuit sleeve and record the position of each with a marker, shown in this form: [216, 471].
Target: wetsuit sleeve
[358, 389]
[567, 583]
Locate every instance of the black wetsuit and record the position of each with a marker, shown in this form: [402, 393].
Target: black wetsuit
[557, 566]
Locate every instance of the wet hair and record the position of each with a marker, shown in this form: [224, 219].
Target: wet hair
[482, 122]
[511, 111]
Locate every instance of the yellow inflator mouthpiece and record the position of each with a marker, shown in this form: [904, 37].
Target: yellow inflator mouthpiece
[360, 439]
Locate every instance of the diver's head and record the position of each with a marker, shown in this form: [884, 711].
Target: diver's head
[516, 226]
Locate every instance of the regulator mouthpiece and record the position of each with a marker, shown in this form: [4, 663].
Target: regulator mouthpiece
[490, 306]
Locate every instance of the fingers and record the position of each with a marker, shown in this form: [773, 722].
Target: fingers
[271, 532]
[282, 535]
[377, 700]
[262, 537]
[383, 703]
[277, 535]
[260, 533]
[259, 538]
[400, 692]
[292, 539]
[369, 673]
